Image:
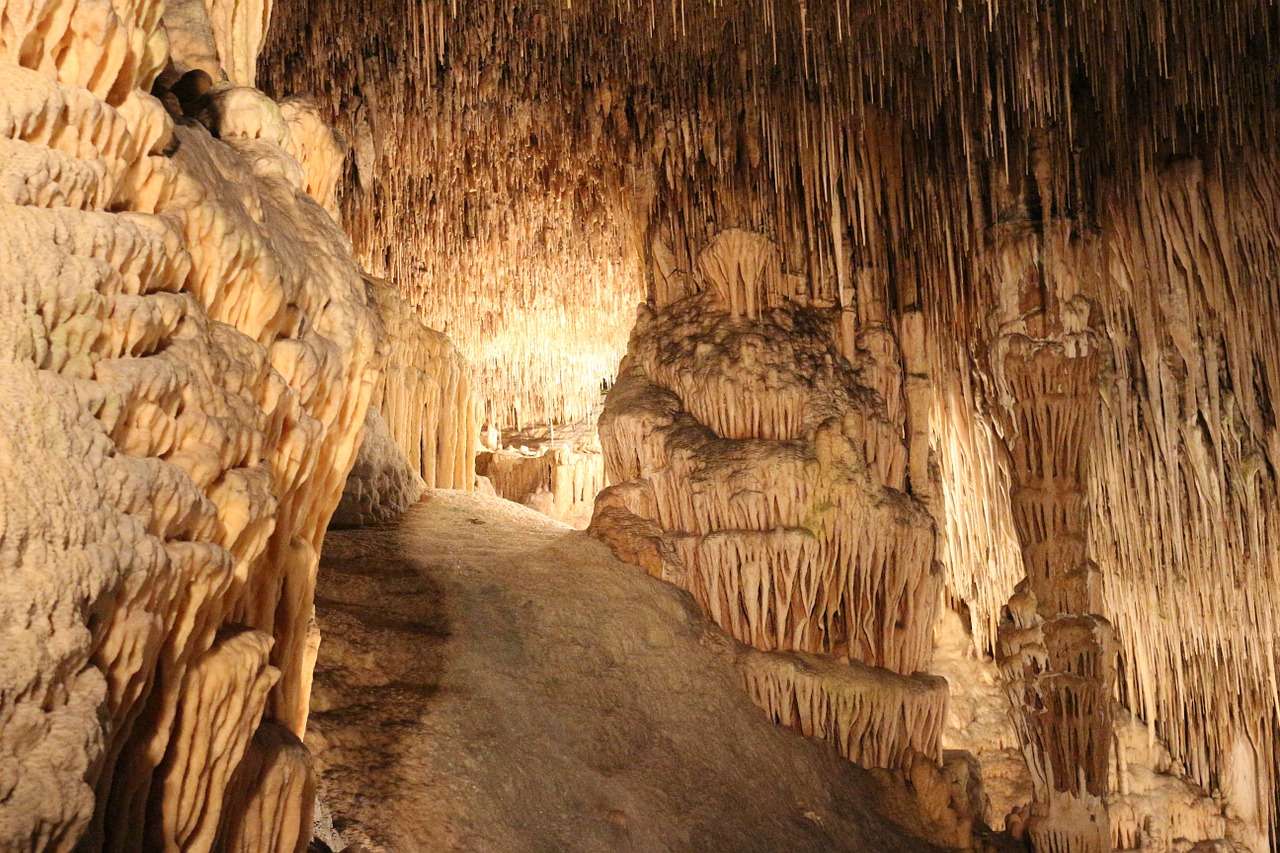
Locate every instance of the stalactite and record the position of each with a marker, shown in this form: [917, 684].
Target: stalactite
[766, 474]
[874, 717]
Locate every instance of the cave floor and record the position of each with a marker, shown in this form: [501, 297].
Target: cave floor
[491, 680]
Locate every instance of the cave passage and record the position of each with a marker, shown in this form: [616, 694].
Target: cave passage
[703, 425]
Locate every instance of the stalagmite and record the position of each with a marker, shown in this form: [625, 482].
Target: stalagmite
[381, 485]
[273, 794]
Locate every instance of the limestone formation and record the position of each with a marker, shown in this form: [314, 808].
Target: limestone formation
[873, 143]
[187, 356]
[875, 717]
[1152, 803]
[958, 311]
[421, 431]
[1056, 651]
[269, 809]
[428, 402]
[558, 472]
[764, 472]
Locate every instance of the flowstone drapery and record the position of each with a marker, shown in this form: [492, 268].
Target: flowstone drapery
[186, 355]
[767, 474]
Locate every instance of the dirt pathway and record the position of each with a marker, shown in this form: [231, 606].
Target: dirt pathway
[490, 680]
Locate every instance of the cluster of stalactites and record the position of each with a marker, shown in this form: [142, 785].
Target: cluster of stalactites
[865, 139]
[507, 236]
[875, 718]
[766, 473]
[428, 397]
[518, 147]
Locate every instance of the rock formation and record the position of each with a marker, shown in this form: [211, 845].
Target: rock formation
[558, 472]
[1057, 652]
[767, 475]
[187, 358]
[422, 430]
[381, 485]
[427, 402]
[952, 313]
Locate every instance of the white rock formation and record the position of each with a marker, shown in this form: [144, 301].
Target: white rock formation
[556, 471]
[427, 402]
[1152, 803]
[762, 471]
[186, 358]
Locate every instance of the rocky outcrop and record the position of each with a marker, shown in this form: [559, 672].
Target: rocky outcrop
[381, 485]
[767, 474]
[186, 358]
[422, 430]
[427, 402]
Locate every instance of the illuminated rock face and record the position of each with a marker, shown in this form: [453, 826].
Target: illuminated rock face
[422, 431]
[427, 402]
[558, 472]
[186, 357]
[866, 138]
[762, 471]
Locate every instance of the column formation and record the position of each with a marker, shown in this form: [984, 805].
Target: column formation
[1057, 652]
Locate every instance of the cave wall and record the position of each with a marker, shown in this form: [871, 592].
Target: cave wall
[199, 380]
[883, 148]
[422, 431]
[187, 359]
[428, 398]
[766, 472]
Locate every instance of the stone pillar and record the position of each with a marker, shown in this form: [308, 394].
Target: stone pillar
[1057, 652]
